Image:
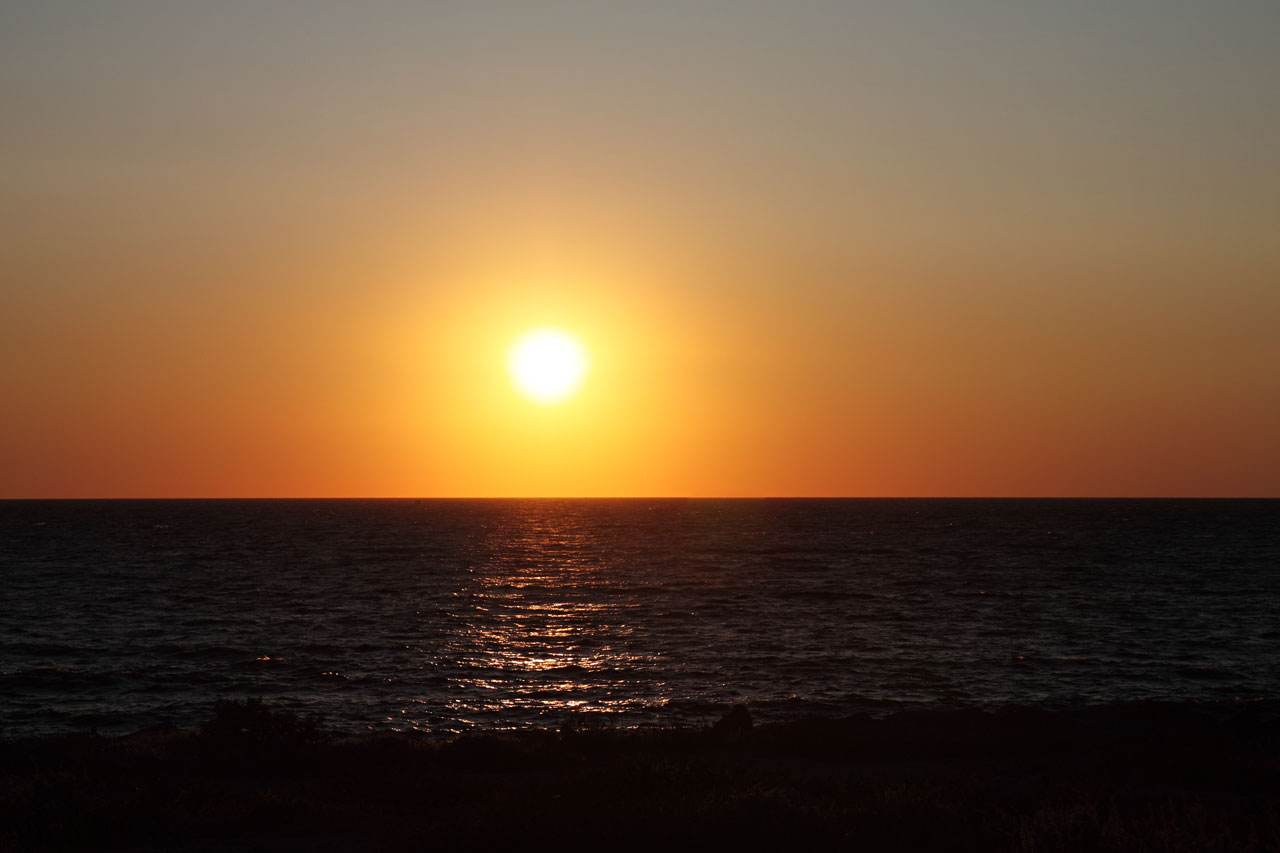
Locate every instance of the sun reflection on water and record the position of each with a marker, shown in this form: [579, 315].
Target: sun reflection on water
[538, 630]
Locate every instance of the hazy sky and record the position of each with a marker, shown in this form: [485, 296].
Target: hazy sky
[908, 248]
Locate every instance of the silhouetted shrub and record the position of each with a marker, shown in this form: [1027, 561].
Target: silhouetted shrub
[249, 733]
[578, 723]
[734, 725]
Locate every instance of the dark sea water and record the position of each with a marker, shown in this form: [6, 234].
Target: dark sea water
[445, 616]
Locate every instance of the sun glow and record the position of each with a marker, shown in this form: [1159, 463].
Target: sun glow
[547, 364]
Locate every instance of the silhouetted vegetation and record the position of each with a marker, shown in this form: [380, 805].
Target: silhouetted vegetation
[1148, 777]
[249, 734]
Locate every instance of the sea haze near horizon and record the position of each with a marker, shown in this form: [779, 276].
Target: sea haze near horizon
[451, 615]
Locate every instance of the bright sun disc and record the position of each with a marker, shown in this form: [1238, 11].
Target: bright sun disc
[547, 364]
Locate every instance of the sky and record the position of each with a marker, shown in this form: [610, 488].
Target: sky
[961, 248]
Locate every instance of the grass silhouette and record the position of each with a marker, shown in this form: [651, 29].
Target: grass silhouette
[1145, 777]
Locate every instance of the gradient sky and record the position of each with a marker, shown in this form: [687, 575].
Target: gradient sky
[909, 248]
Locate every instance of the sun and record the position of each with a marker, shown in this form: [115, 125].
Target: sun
[547, 364]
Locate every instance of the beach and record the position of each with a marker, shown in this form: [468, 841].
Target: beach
[1137, 776]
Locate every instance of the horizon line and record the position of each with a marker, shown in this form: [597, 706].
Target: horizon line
[656, 498]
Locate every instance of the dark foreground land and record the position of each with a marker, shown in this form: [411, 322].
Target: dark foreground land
[1132, 777]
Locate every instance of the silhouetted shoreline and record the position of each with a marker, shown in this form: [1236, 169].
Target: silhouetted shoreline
[1146, 776]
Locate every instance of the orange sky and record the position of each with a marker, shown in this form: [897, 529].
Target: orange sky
[986, 249]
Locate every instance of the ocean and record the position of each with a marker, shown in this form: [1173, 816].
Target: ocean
[445, 616]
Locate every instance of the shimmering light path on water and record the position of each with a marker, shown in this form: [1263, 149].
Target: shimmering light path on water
[448, 615]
